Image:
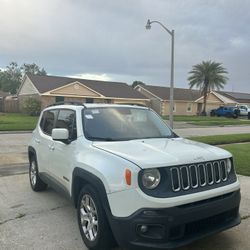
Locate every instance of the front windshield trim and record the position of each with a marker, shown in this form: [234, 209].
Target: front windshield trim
[110, 139]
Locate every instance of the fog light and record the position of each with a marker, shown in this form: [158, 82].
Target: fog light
[144, 228]
[151, 231]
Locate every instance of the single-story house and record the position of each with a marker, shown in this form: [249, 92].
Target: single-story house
[189, 101]
[222, 98]
[184, 99]
[51, 89]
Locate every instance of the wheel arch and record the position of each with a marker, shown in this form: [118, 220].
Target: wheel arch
[31, 153]
[81, 177]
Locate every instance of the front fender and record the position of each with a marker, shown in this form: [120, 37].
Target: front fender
[109, 168]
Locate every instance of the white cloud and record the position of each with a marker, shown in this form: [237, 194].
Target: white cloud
[107, 39]
[237, 42]
[100, 77]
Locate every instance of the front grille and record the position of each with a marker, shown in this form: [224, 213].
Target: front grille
[198, 175]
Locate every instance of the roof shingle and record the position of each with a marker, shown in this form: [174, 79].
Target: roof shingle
[179, 93]
[107, 89]
[239, 97]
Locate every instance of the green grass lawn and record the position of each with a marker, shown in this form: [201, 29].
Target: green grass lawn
[241, 153]
[209, 121]
[16, 121]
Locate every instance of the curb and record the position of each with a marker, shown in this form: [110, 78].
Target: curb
[16, 132]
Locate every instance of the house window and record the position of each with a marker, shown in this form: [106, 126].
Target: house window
[59, 98]
[89, 100]
[189, 107]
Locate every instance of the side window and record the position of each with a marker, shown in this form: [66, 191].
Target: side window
[42, 120]
[49, 117]
[67, 119]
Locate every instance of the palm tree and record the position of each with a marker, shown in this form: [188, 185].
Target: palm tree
[207, 76]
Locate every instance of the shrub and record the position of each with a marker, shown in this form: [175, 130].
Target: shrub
[32, 106]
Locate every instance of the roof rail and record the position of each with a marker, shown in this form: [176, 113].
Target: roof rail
[66, 103]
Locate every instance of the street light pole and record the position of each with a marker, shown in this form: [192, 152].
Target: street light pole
[171, 97]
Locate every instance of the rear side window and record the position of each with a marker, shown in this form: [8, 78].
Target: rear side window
[67, 119]
[48, 120]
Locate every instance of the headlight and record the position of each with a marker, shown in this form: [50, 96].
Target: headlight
[151, 178]
[229, 165]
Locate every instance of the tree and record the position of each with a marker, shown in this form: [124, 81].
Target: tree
[135, 83]
[33, 69]
[11, 77]
[207, 76]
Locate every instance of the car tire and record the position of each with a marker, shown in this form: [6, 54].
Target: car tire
[35, 181]
[92, 221]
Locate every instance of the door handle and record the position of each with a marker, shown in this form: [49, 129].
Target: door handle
[51, 147]
[37, 141]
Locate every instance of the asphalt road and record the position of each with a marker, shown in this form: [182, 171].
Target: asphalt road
[198, 131]
[46, 220]
[13, 146]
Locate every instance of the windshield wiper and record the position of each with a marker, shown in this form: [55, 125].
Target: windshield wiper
[156, 137]
[105, 139]
[101, 139]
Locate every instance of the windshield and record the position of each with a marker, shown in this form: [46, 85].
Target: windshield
[123, 123]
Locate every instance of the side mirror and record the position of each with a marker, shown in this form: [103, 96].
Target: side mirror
[60, 134]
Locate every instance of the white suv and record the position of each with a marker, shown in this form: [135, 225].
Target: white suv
[244, 109]
[132, 179]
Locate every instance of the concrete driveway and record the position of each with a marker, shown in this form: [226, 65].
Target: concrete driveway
[46, 220]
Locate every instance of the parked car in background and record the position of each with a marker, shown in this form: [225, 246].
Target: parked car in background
[227, 111]
[243, 109]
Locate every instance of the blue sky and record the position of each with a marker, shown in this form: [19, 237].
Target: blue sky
[108, 40]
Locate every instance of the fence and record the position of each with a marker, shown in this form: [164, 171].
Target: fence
[1, 104]
[11, 106]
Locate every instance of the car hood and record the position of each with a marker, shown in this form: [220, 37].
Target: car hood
[162, 152]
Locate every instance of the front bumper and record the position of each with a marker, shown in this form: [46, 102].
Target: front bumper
[173, 227]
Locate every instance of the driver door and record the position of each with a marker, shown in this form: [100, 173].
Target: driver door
[63, 154]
